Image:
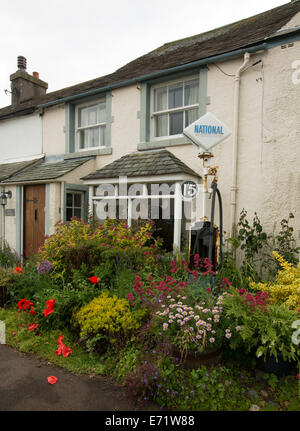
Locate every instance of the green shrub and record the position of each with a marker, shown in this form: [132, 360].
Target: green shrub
[108, 318]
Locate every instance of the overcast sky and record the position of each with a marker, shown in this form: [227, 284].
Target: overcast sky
[72, 41]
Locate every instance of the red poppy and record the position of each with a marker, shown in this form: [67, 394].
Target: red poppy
[62, 348]
[18, 270]
[24, 304]
[32, 326]
[94, 279]
[50, 307]
[52, 380]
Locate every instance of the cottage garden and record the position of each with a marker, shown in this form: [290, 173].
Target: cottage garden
[108, 300]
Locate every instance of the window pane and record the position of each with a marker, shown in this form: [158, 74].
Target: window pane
[102, 112]
[77, 200]
[69, 199]
[175, 96]
[77, 212]
[82, 117]
[94, 137]
[83, 138]
[176, 123]
[92, 115]
[102, 136]
[161, 125]
[160, 99]
[69, 214]
[190, 116]
[191, 90]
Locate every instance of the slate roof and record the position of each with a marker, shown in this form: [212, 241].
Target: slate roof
[143, 163]
[46, 171]
[241, 34]
[9, 169]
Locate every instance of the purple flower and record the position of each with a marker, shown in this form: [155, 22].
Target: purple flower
[44, 267]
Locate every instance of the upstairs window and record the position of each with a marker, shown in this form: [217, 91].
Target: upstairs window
[90, 125]
[174, 106]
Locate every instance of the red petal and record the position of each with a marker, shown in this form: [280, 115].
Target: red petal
[59, 341]
[52, 380]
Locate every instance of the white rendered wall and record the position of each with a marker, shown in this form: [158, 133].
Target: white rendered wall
[20, 138]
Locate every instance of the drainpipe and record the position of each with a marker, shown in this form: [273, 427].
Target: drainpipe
[2, 245]
[236, 111]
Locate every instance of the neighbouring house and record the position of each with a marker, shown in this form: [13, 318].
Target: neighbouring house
[119, 138]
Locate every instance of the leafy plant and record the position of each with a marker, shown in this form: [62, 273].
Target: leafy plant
[264, 327]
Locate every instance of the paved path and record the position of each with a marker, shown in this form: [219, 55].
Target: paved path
[24, 386]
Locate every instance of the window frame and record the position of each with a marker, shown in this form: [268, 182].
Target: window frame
[183, 108]
[99, 125]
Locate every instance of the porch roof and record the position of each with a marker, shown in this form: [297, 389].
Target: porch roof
[45, 171]
[10, 169]
[143, 163]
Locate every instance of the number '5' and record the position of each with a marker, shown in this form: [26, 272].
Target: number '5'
[296, 334]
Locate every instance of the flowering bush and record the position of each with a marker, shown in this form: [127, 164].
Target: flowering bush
[286, 287]
[198, 327]
[109, 317]
[77, 242]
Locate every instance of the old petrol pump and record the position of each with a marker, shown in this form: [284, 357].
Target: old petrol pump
[206, 238]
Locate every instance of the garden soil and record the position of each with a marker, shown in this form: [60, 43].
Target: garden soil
[24, 387]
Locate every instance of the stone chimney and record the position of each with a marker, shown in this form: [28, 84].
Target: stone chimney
[25, 87]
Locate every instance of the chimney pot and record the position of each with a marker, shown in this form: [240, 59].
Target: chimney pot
[35, 75]
[22, 62]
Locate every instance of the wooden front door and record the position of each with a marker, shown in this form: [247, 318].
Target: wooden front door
[34, 218]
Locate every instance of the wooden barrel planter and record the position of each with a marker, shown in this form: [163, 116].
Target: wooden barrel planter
[193, 359]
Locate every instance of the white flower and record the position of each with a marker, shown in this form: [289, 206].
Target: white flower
[228, 335]
[165, 326]
[211, 340]
[237, 328]
[196, 317]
